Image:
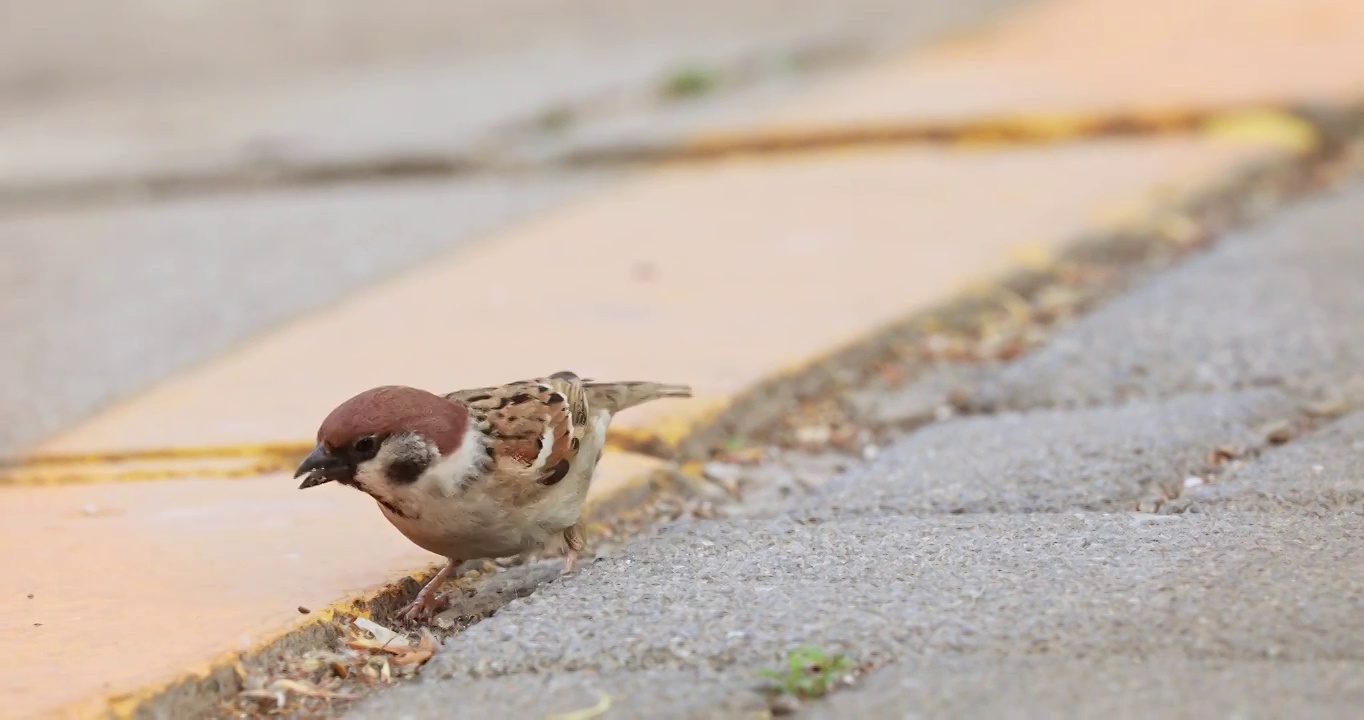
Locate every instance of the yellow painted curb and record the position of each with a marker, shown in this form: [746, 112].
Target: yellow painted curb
[124, 706]
[631, 481]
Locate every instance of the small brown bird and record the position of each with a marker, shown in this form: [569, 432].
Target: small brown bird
[484, 473]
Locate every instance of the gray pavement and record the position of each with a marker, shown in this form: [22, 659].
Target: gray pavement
[54, 50]
[1169, 686]
[1104, 458]
[995, 566]
[1319, 474]
[1278, 306]
[201, 88]
[99, 301]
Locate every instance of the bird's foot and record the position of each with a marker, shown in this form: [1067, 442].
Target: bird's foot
[428, 603]
[573, 537]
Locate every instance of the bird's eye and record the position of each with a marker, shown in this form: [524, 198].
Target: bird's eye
[366, 446]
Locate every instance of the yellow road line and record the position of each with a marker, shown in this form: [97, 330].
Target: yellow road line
[1272, 123]
[199, 452]
[93, 467]
[49, 469]
[38, 478]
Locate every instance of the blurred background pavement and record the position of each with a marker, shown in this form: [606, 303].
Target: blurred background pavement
[105, 287]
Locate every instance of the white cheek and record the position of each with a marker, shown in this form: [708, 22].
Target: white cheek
[369, 474]
[450, 473]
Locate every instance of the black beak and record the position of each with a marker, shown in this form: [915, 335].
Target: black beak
[322, 467]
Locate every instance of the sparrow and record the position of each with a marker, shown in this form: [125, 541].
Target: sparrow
[482, 473]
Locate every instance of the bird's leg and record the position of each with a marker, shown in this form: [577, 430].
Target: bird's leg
[428, 600]
[574, 537]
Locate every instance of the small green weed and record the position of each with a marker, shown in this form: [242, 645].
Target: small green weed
[810, 672]
[689, 82]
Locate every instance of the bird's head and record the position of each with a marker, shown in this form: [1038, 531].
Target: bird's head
[385, 437]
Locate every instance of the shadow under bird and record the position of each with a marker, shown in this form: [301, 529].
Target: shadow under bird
[482, 473]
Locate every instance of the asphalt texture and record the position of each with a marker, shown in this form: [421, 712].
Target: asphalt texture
[1278, 306]
[1005, 565]
[101, 300]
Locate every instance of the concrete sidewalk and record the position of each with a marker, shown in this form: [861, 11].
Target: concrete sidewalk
[752, 267]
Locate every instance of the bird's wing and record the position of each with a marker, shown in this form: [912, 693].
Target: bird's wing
[533, 427]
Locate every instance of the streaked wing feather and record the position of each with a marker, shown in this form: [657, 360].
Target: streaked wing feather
[535, 427]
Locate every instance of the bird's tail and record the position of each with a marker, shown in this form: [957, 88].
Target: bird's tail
[616, 396]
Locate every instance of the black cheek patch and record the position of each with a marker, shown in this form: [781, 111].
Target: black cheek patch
[405, 472]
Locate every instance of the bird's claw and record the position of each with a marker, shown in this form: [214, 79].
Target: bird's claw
[423, 608]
